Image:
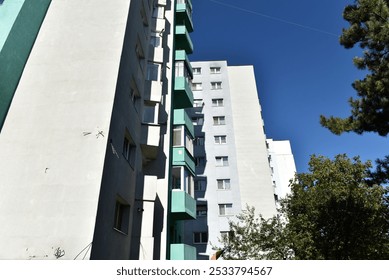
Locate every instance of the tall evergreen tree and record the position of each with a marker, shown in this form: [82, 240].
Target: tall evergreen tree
[369, 28]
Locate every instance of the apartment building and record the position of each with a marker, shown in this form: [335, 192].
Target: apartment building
[231, 152]
[90, 93]
[113, 144]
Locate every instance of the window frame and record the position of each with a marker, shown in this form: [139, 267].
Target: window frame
[221, 161]
[217, 102]
[225, 184]
[218, 139]
[225, 206]
[202, 235]
[215, 70]
[219, 120]
[216, 85]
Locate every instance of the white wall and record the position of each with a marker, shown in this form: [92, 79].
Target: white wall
[52, 145]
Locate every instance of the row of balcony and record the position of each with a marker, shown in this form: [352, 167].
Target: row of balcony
[183, 204]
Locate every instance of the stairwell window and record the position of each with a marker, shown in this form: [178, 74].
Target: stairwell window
[219, 120]
[216, 85]
[225, 209]
[221, 161]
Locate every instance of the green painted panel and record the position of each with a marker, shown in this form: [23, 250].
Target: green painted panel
[183, 95]
[183, 206]
[182, 39]
[181, 157]
[9, 11]
[184, 15]
[17, 48]
[182, 118]
[182, 252]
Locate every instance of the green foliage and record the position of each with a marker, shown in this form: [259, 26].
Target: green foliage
[254, 238]
[332, 213]
[369, 27]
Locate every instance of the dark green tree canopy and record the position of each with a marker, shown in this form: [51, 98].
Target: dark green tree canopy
[369, 28]
[332, 213]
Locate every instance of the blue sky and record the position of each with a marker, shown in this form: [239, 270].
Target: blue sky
[301, 69]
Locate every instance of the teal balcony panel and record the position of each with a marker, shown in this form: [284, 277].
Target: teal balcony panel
[181, 157]
[180, 55]
[184, 15]
[181, 118]
[183, 95]
[182, 252]
[183, 40]
[183, 206]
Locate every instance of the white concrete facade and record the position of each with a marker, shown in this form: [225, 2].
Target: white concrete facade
[66, 178]
[229, 92]
[283, 166]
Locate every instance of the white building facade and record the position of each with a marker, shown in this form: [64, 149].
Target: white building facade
[88, 96]
[232, 158]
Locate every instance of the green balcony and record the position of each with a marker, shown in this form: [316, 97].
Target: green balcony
[184, 14]
[183, 206]
[182, 39]
[183, 95]
[180, 55]
[182, 252]
[181, 157]
[182, 118]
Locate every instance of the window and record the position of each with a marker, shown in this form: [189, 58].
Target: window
[223, 184]
[220, 139]
[200, 237]
[197, 86]
[200, 185]
[220, 120]
[152, 71]
[225, 209]
[198, 120]
[200, 141]
[217, 102]
[221, 161]
[155, 40]
[122, 216]
[196, 71]
[214, 70]
[177, 139]
[198, 103]
[200, 161]
[129, 150]
[225, 235]
[216, 85]
[150, 113]
[201, 211]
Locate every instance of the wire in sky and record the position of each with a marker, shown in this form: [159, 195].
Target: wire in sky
[274, 18]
